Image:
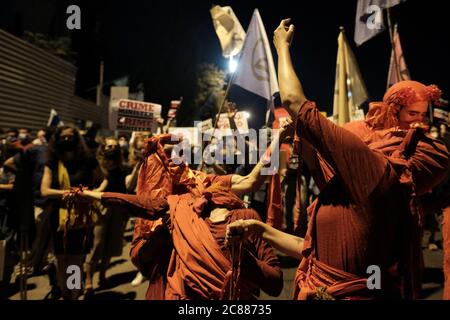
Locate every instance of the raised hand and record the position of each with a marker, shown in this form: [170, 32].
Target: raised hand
[283, 35]
[286, 129]
[241, 229]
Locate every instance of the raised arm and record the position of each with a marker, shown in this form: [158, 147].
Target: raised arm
[359, 168]
[252, 182]
[130, 204]
[291, 90]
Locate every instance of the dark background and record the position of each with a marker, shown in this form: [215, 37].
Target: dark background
[161, 43]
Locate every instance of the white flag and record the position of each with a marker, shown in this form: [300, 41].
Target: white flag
[54, 120]
[229, 30]
[256, 70]
[349, 90]
[369, 18]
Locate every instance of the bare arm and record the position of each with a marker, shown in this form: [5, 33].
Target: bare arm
[93, 195]
[286, 243]
[291, 90]
[46, 183]
[132, 178]
[10, 164]
[102, 186]
[6, 187]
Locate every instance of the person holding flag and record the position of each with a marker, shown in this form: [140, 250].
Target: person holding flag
[363, 239]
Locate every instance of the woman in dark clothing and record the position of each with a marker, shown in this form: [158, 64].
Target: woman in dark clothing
[69, 166]
[108, 232]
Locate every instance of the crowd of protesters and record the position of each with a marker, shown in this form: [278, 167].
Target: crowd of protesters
[60, 160]
[207, 230]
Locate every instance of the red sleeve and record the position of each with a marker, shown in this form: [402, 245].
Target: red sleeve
[358, 168]
[263, 267]
[429, 164]
[151, 210]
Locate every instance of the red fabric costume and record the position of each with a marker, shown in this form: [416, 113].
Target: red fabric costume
[199, 266]
[366, 213]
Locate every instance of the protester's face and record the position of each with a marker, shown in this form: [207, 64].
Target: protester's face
[416, 112]
[111, 152]
[11, 134]
[23, 134]
[66, 142]
[138, 152]
[123, 142]
[111, 144]
[140, 144]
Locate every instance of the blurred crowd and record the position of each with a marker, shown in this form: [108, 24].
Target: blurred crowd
[31, 205]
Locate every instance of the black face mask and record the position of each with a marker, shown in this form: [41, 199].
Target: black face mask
[112, 154]
[138, 154]
[65, 145]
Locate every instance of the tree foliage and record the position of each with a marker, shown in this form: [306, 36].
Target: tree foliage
[60, 46]
[210, 89]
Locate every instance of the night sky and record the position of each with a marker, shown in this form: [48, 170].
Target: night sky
[160, 43]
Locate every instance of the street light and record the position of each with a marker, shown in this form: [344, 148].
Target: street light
[232, 65]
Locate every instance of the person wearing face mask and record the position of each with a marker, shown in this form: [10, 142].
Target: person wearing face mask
[108, 232]
[11, 134]
[124, 145]
[24, 140]
[69, 168]
[135, 161]
[35, 158]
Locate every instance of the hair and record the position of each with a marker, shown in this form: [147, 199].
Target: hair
[385, 114]
[81, 150]
[15, 130]
[49, 132]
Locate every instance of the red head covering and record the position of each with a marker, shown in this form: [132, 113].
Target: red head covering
[384, 115]
[219, 196]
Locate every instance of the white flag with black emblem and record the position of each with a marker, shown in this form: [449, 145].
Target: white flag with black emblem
[256, 70]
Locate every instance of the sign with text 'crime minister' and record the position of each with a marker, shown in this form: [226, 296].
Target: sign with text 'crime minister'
[132, 115]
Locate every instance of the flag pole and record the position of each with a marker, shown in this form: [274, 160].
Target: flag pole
[391, 35]
[230, 82]
[100, 85]
[227, 91]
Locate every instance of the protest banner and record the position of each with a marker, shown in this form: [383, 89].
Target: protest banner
[133, 115]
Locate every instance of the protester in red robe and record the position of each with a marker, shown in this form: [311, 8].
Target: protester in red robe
[367, 216]
[201, 206]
